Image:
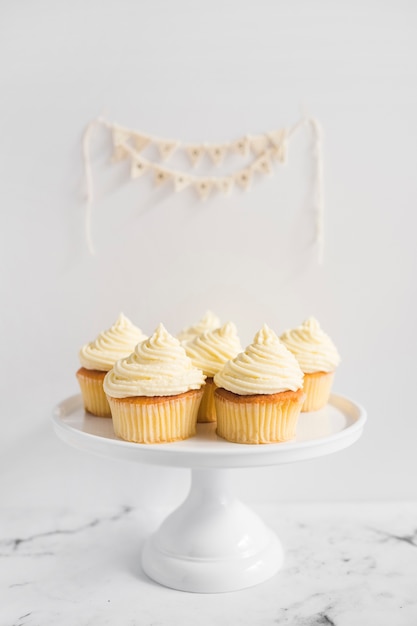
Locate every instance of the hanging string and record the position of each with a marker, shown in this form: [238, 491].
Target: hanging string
[318, 195]
[318, 204]
[88, 183]
[89, 178]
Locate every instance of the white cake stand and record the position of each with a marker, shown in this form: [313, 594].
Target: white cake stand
[213, 542]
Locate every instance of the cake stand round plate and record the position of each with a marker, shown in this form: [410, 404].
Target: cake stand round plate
[336, 426]
[213, 542]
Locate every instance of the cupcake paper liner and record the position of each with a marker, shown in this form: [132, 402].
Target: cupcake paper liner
[156, 420]
[258, 419]
[207, 410]
[94, 398]
[317, 387]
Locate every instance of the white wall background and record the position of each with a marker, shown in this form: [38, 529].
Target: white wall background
[207, 71]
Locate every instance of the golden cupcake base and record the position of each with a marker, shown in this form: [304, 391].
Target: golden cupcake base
[317, 387]
[207, 410]
[94, 398]
[158, 419]
[255, 419]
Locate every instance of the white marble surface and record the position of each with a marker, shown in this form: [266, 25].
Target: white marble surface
[346, 564]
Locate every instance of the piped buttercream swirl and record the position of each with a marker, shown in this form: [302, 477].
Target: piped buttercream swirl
[210, 350]
[209, 321]
[265, 367]
[111, 345]
[158, 366]
[313, 348]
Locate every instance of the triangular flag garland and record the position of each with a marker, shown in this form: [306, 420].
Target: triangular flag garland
[241, 146]
[139, 167]
[204, 187]
[267, 148]
[140, 142]
[202, 184]
[195, 153]
[166, 149]
[259, 144]
[181, 181]
[217, 153]
[161, 175]
[244, 178]
[225, 185]
[263, 165]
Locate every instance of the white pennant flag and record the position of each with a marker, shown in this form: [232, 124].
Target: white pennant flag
[225, 185]
[263, 165]
[204, 187]
[242, 146]
[244, 179]
[161, 175]
[278, 139]
[282, 152]
[141, 142]
[166, 148]
[120, 136]
[195, 153]
[217, 153]
[181, 181]
[139, 167]
[258, 143]
[119, 153]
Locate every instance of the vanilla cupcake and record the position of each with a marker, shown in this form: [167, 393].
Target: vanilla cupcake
[318, 359]
[210, 321]
[209, 352]
[259, 395]
[154, 393]
[99, 356]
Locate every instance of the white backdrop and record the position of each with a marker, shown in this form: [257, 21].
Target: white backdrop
[208, 71]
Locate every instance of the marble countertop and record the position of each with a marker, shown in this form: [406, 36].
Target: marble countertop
[345, 564]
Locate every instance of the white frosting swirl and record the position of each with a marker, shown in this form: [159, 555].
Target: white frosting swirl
[158, 366]
[210, 321]
[210, 350]
[265, 367]
[313, 349]
[111, 345]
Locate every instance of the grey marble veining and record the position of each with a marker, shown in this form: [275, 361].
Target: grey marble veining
[346, 564]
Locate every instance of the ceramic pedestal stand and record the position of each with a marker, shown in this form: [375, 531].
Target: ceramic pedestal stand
[213, 542]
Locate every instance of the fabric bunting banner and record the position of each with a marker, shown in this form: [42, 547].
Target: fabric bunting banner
[261, 152]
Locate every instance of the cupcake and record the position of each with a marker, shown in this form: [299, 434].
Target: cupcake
[154, 393]
[209, 352]
[208, 322]
[318, 358]
[99, 356]
[259, 395]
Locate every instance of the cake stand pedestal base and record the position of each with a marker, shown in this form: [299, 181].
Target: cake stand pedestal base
[213, 542]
